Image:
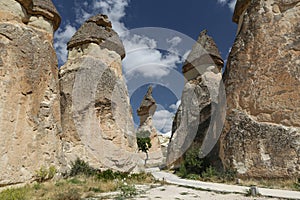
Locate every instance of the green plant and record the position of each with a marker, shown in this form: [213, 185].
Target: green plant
[209, 173]
[228, 175]
[144, 141]
[80, 167]
[75, 181]
[71, 194]
[182, 172]
[193, 176]
[127, 191]
[193, 161]
[51, 172]
[44, 174]
[37, 186]
[14, 194]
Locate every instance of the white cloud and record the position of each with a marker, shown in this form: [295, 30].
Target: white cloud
[162, 120]
[62, 37]
[174, 107]
[229, 3]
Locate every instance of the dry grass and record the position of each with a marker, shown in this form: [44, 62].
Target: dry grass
[286, 184]
[72, 188]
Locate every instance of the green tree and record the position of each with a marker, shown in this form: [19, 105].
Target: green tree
[144, 142]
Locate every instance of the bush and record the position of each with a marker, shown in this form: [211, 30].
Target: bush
[44, 174]
[229, 175]
[192, 163]
[144, 141]
[128, 191]
[80, 167]
[182, 172]
[209, 173]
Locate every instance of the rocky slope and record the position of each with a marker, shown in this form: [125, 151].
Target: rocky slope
[196, 120]
[96, 114]
[261, 137]
[145, 113]
[29, 99]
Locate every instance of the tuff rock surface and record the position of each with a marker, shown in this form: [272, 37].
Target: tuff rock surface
[96, 114]
[145, 113]
[197, 117]
[261, 137]
[29, 99]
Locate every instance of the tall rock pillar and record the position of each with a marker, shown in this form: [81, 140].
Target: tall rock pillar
[261, 137]
[29, 99]
[96, 114]
[198, 116]
[145, 113]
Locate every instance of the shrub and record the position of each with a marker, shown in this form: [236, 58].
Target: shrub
[44, 174]
[209, 173]
[144, 141]
[193, 162]
[80, 167]
[127, 191]
[228, 175]
[182, 172]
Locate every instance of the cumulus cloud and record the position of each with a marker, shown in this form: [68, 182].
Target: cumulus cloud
[62, 36]
[162, 118]
[229, 3]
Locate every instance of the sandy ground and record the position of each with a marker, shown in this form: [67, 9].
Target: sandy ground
[173, 192]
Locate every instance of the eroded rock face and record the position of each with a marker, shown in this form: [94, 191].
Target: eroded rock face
[146, 112]
[29, 99]
[96, 114]
[193, 124]
[262, 135]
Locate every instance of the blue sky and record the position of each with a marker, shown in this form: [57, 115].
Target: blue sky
[144, 59]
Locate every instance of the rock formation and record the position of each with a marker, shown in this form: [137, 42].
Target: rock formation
[29, 99]
[146, 112]
[196, 120]
[261, 137]
[96, 114]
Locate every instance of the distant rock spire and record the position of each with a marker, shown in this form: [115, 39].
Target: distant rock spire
[204, 54]
[147, 107]
[146, 112]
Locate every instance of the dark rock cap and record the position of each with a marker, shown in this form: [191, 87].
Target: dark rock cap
[205, 51]
[240, 6]
[45, 8]
[98, 29]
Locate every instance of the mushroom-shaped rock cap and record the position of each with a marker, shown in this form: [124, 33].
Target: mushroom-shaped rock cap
[98, 29]
[240, 6]
[204, 52]
[45, 8]
[148, 105]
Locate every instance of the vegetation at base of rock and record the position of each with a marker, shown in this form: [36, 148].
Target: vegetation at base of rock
[196, 168]
[14, 194]
[44, 174]
[144, 141]
[80, 167]
[85, 182]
